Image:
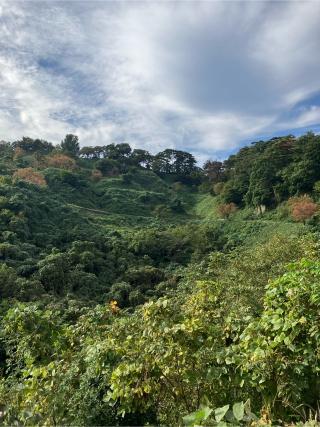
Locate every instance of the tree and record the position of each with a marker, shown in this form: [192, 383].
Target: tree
[6, 149]
[302, 208]
[123, 150]
[30, 146]
[141, 158]
[70, 145]
[214, 170]
[303, 171]
[107, 167]
[117, 151]
[8, 279]
[174, 162]
[54, 273]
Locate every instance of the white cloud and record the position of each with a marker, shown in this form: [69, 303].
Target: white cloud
[310, 116]
[201, 76]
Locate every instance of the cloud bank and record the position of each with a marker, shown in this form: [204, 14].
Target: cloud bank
[199, 76]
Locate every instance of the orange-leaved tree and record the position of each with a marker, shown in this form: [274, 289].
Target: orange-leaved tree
[30, 175]
[61, 161]
[226, 209]
[302, 208]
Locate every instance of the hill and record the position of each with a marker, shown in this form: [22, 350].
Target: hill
[139, 288]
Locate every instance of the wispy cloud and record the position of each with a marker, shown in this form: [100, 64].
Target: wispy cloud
[201, 76]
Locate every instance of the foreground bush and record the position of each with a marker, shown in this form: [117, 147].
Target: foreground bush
[159, 363]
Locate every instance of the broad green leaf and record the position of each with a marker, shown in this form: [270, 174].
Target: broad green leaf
[247, 406]
[206, 412]
[197, 417]
[189, 420]
[219, 413]
[238, 410]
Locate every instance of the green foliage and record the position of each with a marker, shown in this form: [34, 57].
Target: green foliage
[197, 417]
[126, 300]
[280, 347]
[70, 145]
[268, 172]
[30, 145]
[240, 414]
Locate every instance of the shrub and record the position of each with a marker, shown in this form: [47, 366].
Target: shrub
[218, 188]
[108, 167]
[316, 188]
[61, 161]
[56, 177]
[96, 175]
[18, 152]
[302, 208]
[281, 347]
[178, 186]
[226, 209]
[162, 211]
[204, 187]
[30, 175]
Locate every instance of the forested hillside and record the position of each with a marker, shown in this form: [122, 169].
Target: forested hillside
[141, 288]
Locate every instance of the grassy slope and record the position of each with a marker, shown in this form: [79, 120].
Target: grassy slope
[269, 224]
[117, 203]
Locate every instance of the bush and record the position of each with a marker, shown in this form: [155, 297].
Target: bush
[61, 161]
[30, 175]
[218, 188]
[108, 167]
[225, 210]
[281, 347]
[96, 175]
[61, 176]
[302, 208]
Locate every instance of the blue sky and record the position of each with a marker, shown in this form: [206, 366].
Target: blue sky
[206, 77]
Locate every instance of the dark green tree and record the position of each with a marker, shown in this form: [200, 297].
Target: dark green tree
[70, 145]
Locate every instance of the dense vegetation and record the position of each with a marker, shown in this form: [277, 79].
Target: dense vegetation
[139, 288]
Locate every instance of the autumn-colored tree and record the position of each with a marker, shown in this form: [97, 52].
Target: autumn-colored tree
[302, 208]
[226, 209]
[30, 175]
[61, 161]
[18, 152]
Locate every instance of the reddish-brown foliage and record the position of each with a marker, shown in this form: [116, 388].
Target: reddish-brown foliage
[61, 161]
[302, 208]
[226, 209]
[18, 152]
[30, 175]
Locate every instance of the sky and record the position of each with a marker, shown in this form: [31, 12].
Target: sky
[206, 77]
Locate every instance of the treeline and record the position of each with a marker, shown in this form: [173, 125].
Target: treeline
[110, 159]
[264, 173]
[268, 172]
